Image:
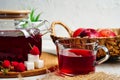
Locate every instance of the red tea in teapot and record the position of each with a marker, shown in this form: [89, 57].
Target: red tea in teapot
[15, 44]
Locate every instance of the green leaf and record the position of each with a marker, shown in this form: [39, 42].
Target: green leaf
[37, 17]
[32, 15]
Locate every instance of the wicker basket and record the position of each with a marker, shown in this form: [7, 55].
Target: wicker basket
[112, 43]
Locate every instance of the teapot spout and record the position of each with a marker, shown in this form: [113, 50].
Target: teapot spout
[41, 25]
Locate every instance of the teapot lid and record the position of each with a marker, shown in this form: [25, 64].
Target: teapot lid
[14, 14]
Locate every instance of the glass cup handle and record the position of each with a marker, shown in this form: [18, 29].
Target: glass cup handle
[106, 56]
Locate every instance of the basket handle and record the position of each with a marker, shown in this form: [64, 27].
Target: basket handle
[63, 25]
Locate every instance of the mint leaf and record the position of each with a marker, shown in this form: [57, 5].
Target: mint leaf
[37, 17]
[33, 17]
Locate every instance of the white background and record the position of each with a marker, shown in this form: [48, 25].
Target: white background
[74, 13]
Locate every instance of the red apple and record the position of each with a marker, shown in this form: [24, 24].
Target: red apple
[89, 32]
[77, 32]
[106, 33]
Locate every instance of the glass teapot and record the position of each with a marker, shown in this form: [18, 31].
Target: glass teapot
[16, 39]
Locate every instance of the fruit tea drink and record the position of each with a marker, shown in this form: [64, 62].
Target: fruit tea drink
[78, 58]
[76, 61]
[15, 44]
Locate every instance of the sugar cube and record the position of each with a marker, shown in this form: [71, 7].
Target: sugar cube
[33, 57]
[29, 65]
[39, 64]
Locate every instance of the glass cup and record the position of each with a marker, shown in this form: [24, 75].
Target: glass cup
[78, 58]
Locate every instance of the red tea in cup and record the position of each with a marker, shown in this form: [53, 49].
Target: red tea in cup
[75, 59]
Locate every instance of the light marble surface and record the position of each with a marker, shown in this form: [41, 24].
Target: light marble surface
[112, 68]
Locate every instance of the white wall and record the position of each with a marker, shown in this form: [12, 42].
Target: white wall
[74, 13]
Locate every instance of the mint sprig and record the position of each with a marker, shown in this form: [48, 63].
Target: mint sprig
[33, 17]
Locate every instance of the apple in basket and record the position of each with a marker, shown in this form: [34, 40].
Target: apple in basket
[88, 32]
[93, 33]
[106, 33]
[77, 32]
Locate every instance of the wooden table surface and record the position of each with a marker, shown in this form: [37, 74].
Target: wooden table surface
[50, 64]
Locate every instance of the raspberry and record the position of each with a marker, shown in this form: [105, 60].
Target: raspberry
[35, 50]
[14, 63]
[20, 67]
[6, 64]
